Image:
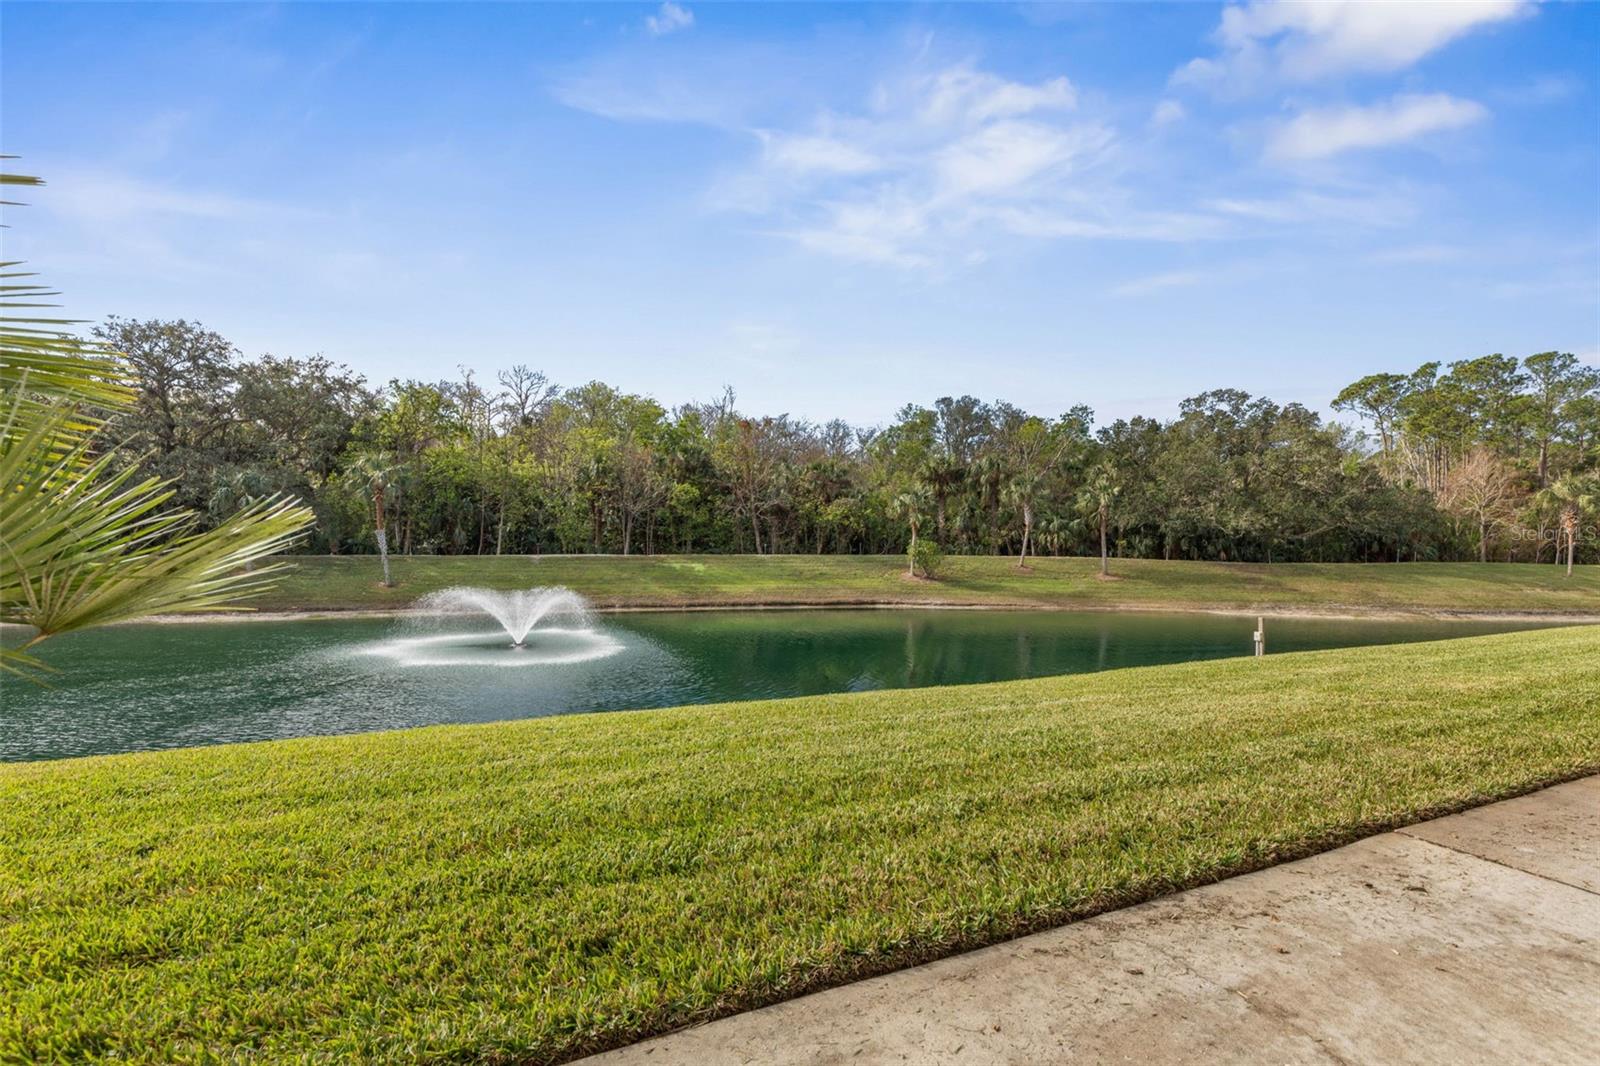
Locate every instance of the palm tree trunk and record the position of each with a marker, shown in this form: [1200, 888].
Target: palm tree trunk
[382, 534]
[1105, 565]
[383, 554]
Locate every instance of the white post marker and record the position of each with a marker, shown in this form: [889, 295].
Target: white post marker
[1261, 637]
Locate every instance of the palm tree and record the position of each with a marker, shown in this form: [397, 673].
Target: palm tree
[941, 474]
[1021, 491]
[1573, 496]
[1097, 498]
[82, 544]
[910, 505]
[378, 469]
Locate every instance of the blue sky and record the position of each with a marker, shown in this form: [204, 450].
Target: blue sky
[835, 209]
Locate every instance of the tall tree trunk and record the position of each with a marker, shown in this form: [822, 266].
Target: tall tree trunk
[382, 534]
[755, 528]
[1105, 564]
[383, 555]
[1027, 535]
[1483, 541]
[911, 552]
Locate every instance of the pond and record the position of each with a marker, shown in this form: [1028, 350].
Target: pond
[129, 688]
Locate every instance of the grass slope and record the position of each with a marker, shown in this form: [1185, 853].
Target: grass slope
[341, 583]
[534, 889]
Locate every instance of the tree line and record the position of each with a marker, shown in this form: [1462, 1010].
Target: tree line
[1488, 458]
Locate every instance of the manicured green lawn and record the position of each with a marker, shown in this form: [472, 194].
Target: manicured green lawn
[533, 889]
[340, 583]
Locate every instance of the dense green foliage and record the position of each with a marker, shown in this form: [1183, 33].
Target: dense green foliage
[332, 583]
[1485, 460]
[528, 890]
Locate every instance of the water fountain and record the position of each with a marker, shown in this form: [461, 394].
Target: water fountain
[517, 611]
[537, 627]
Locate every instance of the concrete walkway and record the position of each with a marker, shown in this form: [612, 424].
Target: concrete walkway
[1469, 939]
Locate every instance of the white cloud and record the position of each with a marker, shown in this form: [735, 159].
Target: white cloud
[1377, 209]
[1418, 253]
[1175, 279]
[1123, 224]
[1541, 90]
[701, 82]
[99, 198]
[941, 166]
[760, 344]
[1005, 156]
[1167, 112]
[669, 19]
[178, 234]
[804, 154]
[1261, 42]
[932, 167]
[1320, 133]
[964, 94]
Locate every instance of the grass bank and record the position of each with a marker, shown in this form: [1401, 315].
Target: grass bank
[323, 583]
[530, 890]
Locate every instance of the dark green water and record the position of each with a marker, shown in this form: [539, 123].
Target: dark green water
[174, 685]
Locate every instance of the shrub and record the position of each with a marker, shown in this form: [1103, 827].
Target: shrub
[926, 558]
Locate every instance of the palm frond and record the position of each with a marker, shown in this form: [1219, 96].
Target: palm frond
[82, 545]
[41, 355]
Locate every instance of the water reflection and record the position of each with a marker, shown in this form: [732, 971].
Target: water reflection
[172, 685]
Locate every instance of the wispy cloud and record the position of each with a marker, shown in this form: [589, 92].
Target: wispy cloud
[925, 169]
[1174, 279]
[1371, 208]
[731, 88]
[1539, 91]
[92, 198]
[962, 93]
[1418, 253]
[938, 162]
[1324, 132]
[669, 18]
[1583, 290]
[1167, 112]
[815, 154]
[936, 166]
[1262, 43]
[173, 231]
